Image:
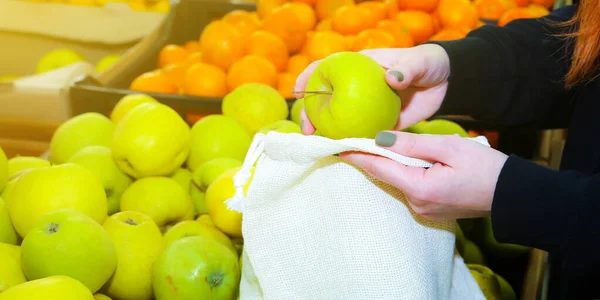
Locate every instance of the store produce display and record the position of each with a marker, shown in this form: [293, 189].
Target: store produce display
[276, 42]
[97, 195]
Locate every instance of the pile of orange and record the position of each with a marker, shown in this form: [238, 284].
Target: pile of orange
[274, 44]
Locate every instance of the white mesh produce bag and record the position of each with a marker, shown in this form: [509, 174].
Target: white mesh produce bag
[317, 227]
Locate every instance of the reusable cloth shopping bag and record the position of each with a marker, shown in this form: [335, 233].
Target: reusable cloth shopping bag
[317, 227]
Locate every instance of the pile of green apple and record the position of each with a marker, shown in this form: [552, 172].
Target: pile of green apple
[122, 207]
[133, 205]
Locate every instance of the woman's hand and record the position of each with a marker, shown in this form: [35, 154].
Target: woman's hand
[418, 74]
[460, 184]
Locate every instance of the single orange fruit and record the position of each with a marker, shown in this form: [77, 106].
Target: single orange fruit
[515, 14]
[153, 82]
[242, 20]
[350, 19]
[172, 54]
[297, 63]
[288, 26]
[309, 2]
[324, 25]
[373, 39]
[325, 43]
[421, 5]
[205, 80]
[194, 58]
[252, 69]
[419, 24]
[176, 73]
[265, 8]
[349, 39]
[376, 11]
[269, 46]
[221, 44]
[192, 46]
[391, 8]
[305, 14]
[457, 14]
[448, 34]
[285, 85]
[402, 37]
[493, 9]
[326, 8]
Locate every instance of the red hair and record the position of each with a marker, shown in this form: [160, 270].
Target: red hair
[586, 55]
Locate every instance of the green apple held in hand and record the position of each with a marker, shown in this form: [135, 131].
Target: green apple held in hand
[195, 228]
[217, 136]
[139, 243]
[57, 287]
[78, 132]
[255, 105]
[161, 198]
[212, 169]
[151, 140]
[8, 234]
[283, 126]
[360, 103]
[11, 274]
[67, 242]
[99, 160]
[3, 170]
[20, 163]
[296, 110]
[196, 268]
[57, 59]
[43, 190]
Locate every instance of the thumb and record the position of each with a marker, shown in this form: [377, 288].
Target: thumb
[434, 148]
[402, 75]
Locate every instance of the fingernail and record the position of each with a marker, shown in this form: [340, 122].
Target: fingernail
[301, 124]
[385, 139]
[399, 76]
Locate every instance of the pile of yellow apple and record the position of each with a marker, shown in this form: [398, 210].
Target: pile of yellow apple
[134, 205]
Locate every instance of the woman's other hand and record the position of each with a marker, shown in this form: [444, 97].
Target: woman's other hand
[460, 184]
[419, 75]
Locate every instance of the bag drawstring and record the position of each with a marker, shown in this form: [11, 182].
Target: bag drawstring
[240, 179]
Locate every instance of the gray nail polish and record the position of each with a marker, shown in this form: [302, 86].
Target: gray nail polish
[301, 124]
[399, 76]
[385, 139]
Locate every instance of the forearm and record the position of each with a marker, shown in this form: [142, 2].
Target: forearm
[511, 75]
[546, 209]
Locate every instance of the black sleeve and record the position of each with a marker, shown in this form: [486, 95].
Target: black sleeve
[546, 209]
[511, 75]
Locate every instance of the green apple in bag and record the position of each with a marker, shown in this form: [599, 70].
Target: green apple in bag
[357, 102]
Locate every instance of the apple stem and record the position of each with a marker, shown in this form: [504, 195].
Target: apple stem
[130, 221]
[53, 228]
